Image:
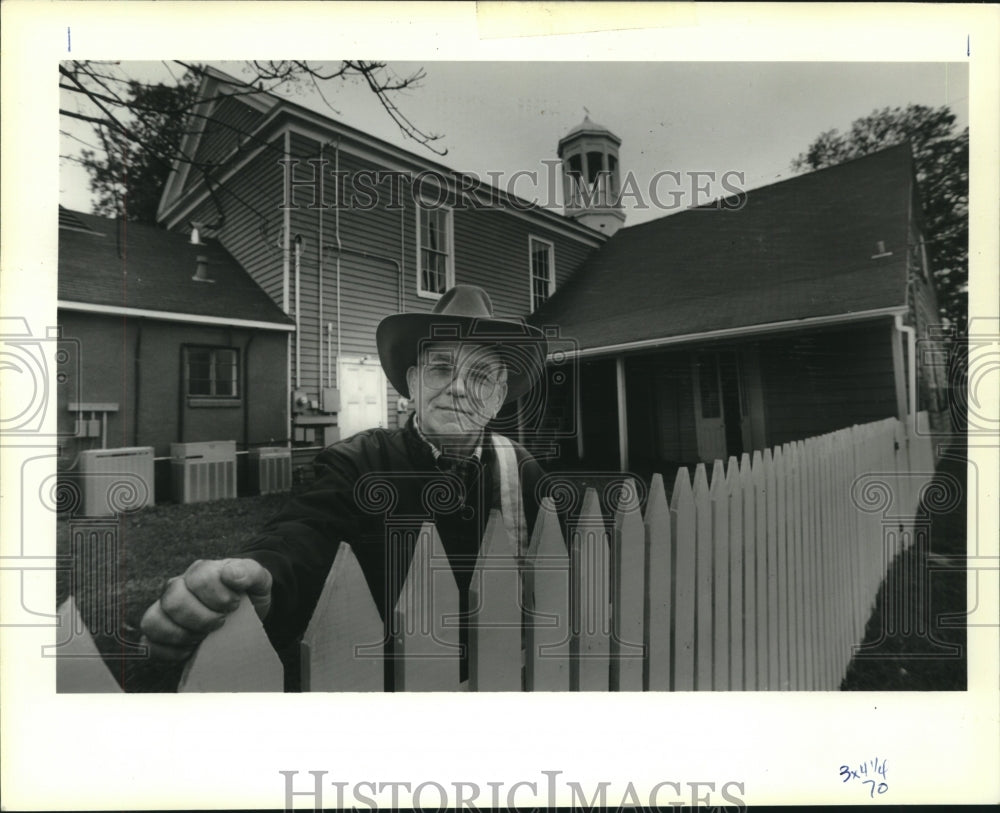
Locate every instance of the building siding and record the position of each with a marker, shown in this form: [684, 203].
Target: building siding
[820, 381]
[227, 127]
[136, 363]
[378, 262]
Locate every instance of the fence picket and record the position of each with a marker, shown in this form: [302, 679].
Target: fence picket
[808, 573]
[682, 515]
[749, 538]
[856, 536]
[734, 489]
[829, 567]
[79, 667]
[546, 600]
[627, 637]
[426, 653]
[760, 515]
[793, 508]
[703, 580]
[719, 496]
[762, 578]
[495, 613]
[657, 618]
[590, 600]
[341, 649]
[773, 566]
[781, 559]
[237, 657]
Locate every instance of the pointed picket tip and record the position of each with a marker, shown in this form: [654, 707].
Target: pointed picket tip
[757, 460]
[497, 544]
[237, 657]
[547, 536]
[627, 512]
[682, 489]
[718, 478]
[744, 463]
[591, 511]
[79, 666]
[345, 620]
[700, 479]
[732, 472]
[657, 508]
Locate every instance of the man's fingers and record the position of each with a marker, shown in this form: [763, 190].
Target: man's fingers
[246, 576]
[186, 610]
[204, 581]
[160, 629]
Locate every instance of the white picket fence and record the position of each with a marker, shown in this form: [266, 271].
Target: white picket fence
[760, 576]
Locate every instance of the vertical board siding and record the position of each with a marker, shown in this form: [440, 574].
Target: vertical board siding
[762, 580]
[821, 380]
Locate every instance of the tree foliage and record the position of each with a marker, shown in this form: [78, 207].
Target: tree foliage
[941, 161]
[139, 126]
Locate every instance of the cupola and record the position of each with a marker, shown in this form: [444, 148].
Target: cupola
[591, 176]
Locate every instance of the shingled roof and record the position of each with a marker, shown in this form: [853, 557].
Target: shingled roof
[798, 249]
[103, 262]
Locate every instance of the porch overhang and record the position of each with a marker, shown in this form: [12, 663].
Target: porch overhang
[731, 333]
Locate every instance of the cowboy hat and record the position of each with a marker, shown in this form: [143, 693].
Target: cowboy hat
[463, 313]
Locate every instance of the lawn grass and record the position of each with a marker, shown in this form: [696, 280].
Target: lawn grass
[155, 544]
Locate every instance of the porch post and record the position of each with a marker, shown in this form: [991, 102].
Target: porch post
[622, 419]
[899, 374]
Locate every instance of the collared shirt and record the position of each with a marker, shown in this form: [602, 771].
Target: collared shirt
[476, 454]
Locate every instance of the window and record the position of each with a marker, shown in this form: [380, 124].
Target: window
[543, 271]
[211, 372]
[435, 271]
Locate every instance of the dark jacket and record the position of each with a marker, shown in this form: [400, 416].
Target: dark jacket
[369, 489]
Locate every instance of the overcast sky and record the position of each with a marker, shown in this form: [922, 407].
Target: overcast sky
[751, 118]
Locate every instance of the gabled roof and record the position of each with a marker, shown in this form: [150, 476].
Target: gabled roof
[108, 264]
[280, 112]
[798, 249]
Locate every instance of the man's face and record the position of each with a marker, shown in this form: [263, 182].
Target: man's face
[457, 388]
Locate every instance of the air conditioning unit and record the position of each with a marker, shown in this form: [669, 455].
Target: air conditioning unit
[203, 471]
[116, 480]
[270, 469]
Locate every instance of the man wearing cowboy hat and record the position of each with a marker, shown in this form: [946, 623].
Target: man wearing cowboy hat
[459, 365]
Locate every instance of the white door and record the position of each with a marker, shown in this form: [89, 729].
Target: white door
[710, 421]
[362, 396]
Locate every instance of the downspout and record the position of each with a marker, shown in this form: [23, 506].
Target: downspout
[911, 384]
[285, 253]
[336, 234]
[319, 321]
[298, 305]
